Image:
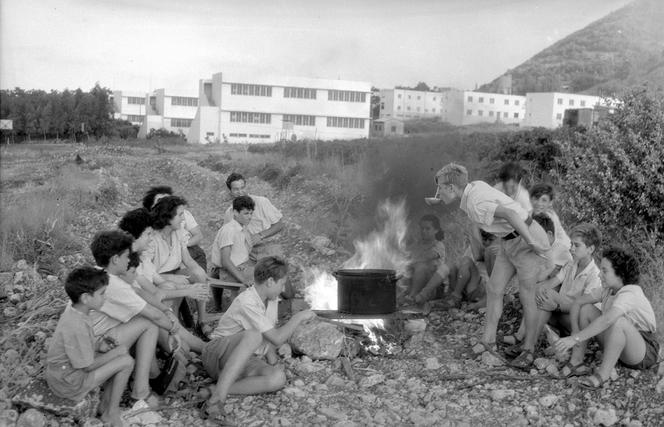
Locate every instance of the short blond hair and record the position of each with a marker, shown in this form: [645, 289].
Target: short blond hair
[453, 173]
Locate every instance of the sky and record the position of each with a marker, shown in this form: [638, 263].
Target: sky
[142, 45]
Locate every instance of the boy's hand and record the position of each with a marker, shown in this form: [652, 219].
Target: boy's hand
[564, 344]
[174, 342]
[200, 291]
[255, 238]
[431, 201]
[108, 342]
[303, 316]
[538, 248]
[178, 279]
[545, 300]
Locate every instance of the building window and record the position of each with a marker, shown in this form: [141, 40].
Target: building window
[238, 135]
[250, 90]
[346, 96]
[408, 96]
[583, 103]
[516, 102]
[418, 108]
[507, 102]
[480, 112]
[490, 113]
[399, 96]
[559, 116]
[382, 105]
[393, 129]
[491, 100]
[184, 101]
[254, 135]
[481, 100]
[571, 103]
[408, 108]
[419, 97]
[470, 99]
[345, 122]
[398, 107]
[246, 117]
[469, 112]
[560, 101]
[300, 120]
[434, 98]
[516, 115]
[299, 92]
[505, 114]
[180, 123]
[135, 118]
[135, 100]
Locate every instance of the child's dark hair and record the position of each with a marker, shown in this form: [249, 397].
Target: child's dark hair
[541, 189]
[134, 260]
[165, 210]
[243, 202]
[510, 170]
[270, 267]
[590, 234]
[624, 264]
[106, 244]
[136, 221]
[148, 199]
[435, 222]
[84, 280]
[546, 222]
[232, 178]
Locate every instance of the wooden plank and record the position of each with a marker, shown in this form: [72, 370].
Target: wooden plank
[216, 283]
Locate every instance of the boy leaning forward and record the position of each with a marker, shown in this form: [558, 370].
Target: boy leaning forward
[524, 248]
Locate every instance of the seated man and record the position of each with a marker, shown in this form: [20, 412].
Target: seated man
[241, 355]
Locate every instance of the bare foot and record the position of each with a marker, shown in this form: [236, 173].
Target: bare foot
[114, 419]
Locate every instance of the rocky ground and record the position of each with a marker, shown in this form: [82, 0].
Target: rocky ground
[434, 377]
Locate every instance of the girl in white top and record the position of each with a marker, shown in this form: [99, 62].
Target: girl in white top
[625, 326]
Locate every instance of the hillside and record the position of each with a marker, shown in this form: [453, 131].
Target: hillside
[624, 48]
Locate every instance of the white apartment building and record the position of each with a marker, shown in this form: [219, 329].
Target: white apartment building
[174, 113]
[547, 109]
[130, 106]
[407, 104]
[465, 107]
[238, 108]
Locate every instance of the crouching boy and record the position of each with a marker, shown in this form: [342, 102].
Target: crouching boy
[76, 362]
[625, 325]
[241, 355]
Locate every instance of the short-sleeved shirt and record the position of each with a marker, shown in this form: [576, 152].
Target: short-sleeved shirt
[584, 282]
[121, 304]
[188, 224]
[234, 235]
[480, 200]
[247, 311]
[70, 351]
[165, 256]
[265, 215]
[633, 304]
[522, 196]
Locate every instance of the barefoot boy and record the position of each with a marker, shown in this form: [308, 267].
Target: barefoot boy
[523, 248]
[241, 355]
[76, 361]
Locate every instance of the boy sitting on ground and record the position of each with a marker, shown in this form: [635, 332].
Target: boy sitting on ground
[625, 325]
[241, 355]
[541, 197]
[76, 362]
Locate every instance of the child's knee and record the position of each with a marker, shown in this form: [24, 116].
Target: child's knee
[126, 362]
[276, 378]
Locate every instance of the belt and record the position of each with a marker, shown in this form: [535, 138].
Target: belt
[514, 234]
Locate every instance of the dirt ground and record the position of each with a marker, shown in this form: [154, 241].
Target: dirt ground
[433, 378]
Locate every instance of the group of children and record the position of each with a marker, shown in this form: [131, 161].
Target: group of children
[126, 313]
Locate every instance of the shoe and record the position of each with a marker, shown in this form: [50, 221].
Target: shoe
[200, 333]
[524, 360]
[592, 382]
[569, 370]
[514, 350]
[215, 412]
[160, 384]
[511, 339]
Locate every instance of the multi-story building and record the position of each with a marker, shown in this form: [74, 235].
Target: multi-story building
[547, 109]
[238, 107]
[407, 104]
[168, 111]
[130, 106]
[465, 107]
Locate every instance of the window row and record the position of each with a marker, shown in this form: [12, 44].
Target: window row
[181, 123]
[418, 97]
[480, 100]
[345, 122]
[299, 92]
[185, 101]
[300, 120]
[582, 102]
[346, 95]
[135, 118]
[426, 110]
[246, 117]
[492, 114]
[251, 135]
[251, 90]
[136, 100]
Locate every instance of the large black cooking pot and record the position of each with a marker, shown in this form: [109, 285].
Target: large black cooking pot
[366, 291]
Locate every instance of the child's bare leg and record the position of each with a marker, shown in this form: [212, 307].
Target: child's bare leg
[143, 333]
[114, 375]
[622, 341]
[264, 379]
[234, 361]
[421, 274]
[530, 310]
[501, 274]
[587, 314]
[436, 280]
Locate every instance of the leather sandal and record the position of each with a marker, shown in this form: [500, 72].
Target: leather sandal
[524, 360]
[514, 350]
[569, 370]
[592, 382]
[215, 413]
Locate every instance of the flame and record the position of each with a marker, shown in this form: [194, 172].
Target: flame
[321, 294]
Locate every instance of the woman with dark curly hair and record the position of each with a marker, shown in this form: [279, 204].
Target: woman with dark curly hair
[625, 326]
[168, 249]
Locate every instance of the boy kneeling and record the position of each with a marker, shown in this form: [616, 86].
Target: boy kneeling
[625, 325]
[241, 355]
[77, 362]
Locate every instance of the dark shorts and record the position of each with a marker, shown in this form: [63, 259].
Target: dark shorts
[652, 351]
[213, 355]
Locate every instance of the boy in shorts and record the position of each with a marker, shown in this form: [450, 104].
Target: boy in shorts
[76, 362]
[241, 355]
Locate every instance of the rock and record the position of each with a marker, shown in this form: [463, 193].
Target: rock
[634, 423]
[552, 370]
[8, 417]
[295, 392]
[478, 348]
[22, 265]
[93, 422]
[501, 394]
[308, 368]
[659, 388]
[31, 418]
[18, 278]
[334, 413]
[318, 340]
[10, 312]
[531, 411]
[11, 356]
[51, 278]
[142, 418]
[335, 380]
[605, 417]
[285, 351]
[549, 400]
[414, 326]
[15, 298]
[489, 359]
[542, 363]
[37, 395]
[371, 380]
[431, 363]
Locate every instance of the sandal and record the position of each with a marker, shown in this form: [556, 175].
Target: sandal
[215, 413]
[524, 360]
[491, 348]
[569, 370]
[514, 350]
[592, 382]
[511, 339]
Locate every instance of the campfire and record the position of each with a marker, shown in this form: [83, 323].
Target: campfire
[363, 292]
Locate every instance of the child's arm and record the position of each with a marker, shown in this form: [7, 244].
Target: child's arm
[102, 359]
[576, 308]
[597, 326]
[278, 336]
[195, 270]
[196, 236]
[230, 267]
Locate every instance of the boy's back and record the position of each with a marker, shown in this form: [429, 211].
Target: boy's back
[71, 350]
[231, 234]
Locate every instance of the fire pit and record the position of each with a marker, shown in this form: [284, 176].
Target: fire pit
[364, 291]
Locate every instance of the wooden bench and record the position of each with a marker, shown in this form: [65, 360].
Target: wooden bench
[234, 287]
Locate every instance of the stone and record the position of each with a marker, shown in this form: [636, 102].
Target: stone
[478, 348]
[531, 411]
[489, 359]
[31, 418]
[318, 340]
[133, 416]
[10, 312]
[542, 363]
[431, 363]
[18, 278]
[659, 388]
[15, 298]
[371, 380]
[605, 417]
[11, 356]
[22, 265]
[8, 417]
[500, 394]
[37, 395]
[94, 422]
[549, 400]
[51, 278]
[295, 392]
[335, 380]
[634, 423]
